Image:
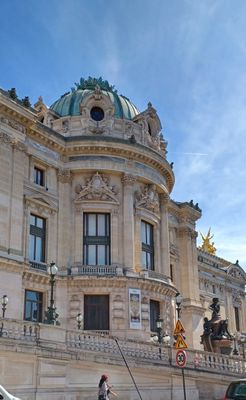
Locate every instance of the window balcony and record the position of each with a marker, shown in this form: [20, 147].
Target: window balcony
[96, 270]
[38, 265]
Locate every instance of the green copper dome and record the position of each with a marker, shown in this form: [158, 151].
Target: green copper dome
[69, 103]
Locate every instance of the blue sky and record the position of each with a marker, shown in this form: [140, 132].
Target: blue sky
[188, 57]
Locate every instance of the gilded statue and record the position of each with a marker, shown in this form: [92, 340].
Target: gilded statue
[207, 245]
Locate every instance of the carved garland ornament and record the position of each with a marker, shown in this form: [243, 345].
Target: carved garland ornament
[97, 188]
[13, 124]
[4, 138]
[148, 198]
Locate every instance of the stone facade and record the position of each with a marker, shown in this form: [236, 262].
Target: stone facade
[92, 193]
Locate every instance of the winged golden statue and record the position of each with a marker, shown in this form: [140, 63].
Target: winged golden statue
[207, 245]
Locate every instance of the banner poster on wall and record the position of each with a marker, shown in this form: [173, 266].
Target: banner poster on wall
[135, 308]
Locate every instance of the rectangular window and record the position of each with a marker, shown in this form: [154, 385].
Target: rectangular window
[33, 306]
[171, 272]
[147, 245]
[96, 239]
[237, 320]
[96, 312]
[39, 176]
[154, 314]
[37, 238]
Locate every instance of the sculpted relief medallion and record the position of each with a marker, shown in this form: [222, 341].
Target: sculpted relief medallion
[97, 188]
[148, 198]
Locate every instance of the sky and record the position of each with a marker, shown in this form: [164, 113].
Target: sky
[188, 57]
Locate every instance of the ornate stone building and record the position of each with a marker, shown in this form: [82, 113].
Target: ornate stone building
[86, 184]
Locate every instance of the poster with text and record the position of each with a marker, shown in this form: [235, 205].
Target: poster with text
[135, 308]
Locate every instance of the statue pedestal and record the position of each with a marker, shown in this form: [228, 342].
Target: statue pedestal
[223, 346]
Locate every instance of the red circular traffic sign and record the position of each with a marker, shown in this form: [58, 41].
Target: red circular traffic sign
[181, 358]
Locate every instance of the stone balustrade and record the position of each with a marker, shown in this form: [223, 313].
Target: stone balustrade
[79, 342]
[19, 330]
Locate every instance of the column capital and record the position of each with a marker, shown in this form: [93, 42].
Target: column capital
[128, 179]
[64, 176]
[164, 199]
[187, 231]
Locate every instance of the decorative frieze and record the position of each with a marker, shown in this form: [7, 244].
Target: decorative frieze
[4, 138]
[13, 124]
[16, 144]
[236, 273]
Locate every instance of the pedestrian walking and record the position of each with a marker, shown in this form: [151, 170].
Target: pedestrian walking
[105, 388]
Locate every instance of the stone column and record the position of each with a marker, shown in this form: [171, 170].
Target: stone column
[164, 236]
[128, 222]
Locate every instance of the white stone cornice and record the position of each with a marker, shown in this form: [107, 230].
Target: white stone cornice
[40, 204]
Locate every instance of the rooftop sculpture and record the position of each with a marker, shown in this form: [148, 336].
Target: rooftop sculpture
[207, 245]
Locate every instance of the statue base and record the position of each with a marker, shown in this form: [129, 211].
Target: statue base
[223, 346]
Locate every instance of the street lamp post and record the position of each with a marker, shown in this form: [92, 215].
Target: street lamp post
[4, 303]
[236, 337]
[79, 320]
[51, 314]
[4, 306]
[178, 299]
[159, 323]
[163, 338]
[243, 340]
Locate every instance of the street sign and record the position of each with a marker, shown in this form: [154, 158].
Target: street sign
[181, 358]
[178, 328]
[180, 343]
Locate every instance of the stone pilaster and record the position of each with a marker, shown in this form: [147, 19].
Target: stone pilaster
[192, 310]
[138, 242]
[18, 159]
[115, 236]
[78, 231]
[243, 316]
[164, 236]
[128, 221]
[64, 229]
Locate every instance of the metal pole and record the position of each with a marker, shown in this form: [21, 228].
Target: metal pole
[122, 355]
[159, 341]
[52, 281]
[184, 383]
